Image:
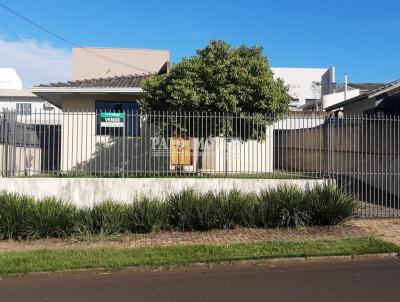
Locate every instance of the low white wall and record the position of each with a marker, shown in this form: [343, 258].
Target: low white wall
[88, 191]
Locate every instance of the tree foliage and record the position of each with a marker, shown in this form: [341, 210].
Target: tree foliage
[219, 78]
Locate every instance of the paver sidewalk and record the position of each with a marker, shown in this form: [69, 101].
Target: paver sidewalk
[386, 229]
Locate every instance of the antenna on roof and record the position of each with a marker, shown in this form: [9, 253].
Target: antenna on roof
[345, 86]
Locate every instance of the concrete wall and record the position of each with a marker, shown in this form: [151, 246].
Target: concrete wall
[235, 156]
[300, 121]
[85, 65]
[301, 150]
[89, 191]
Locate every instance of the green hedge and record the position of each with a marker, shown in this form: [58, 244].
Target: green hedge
[23, 217]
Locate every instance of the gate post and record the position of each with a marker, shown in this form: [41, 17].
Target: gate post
[328, 138]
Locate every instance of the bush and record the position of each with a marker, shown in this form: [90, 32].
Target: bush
[328, 206]
[51, 218]
[236, 209]
[190, 210]
[109, 218]
[282, 207]
[83, 222]
[22, 217]
[15, 215]
[146, 215]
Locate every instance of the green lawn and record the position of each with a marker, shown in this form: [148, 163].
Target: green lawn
[58, 260]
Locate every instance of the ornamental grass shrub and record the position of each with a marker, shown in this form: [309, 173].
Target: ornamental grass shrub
[23, 217]
[15, 215]
[282, 207]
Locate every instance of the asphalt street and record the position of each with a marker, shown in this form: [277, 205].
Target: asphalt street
[350, 281]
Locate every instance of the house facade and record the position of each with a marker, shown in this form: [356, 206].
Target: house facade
[82, 103]
[103, 130]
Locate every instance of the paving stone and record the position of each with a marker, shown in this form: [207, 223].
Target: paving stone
[386, 229]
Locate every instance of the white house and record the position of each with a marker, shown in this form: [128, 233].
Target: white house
[9, 79]
[353, 90]
[27, 106]
[306, 85]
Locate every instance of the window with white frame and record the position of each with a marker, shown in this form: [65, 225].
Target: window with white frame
[24, 108]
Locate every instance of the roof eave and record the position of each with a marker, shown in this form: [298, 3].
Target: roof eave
[385, 90]
[90, 90]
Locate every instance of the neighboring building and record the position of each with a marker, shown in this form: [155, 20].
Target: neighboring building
[97, 62]
[24, 120]
[335, 98]
[339, 95]
[353, 90]
[362, 87]
[384, 99]
[23, 102]
[9, 79]
[306, 85]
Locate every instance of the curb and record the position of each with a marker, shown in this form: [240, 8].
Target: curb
[260, 263]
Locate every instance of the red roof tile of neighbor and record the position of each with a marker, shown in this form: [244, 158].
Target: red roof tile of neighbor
[111, 82]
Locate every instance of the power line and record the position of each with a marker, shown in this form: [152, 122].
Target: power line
[10, 10]
[25, 45]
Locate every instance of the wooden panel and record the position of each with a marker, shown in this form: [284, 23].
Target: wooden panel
[181, 152]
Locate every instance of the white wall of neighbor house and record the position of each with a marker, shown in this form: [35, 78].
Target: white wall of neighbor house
[335, 98]
[9, 79]
[26, 104]
[32, 110]
[118, 62]
[302, 82]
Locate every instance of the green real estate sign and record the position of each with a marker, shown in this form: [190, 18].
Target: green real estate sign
[112, 119]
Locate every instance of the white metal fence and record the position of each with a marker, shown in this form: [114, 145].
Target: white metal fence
[360, 153]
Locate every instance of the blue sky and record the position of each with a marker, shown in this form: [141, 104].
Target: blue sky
[361, 38]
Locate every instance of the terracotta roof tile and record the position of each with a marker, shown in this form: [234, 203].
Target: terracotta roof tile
[111, 82]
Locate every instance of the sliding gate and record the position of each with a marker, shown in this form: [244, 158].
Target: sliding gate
[359, 153]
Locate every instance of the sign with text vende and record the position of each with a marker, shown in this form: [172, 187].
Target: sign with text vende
[112, 119]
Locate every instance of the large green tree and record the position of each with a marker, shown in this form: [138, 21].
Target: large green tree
[219, 78]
